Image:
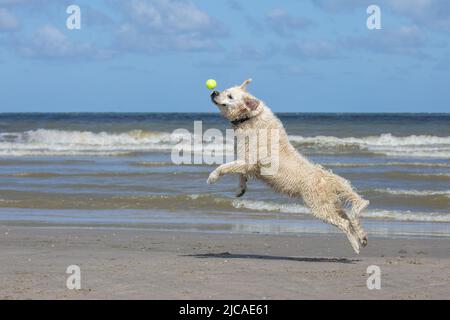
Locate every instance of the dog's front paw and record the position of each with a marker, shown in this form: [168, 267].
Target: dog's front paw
[240, 192]
[213, 177]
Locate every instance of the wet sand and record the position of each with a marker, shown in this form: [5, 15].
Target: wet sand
[148, 264]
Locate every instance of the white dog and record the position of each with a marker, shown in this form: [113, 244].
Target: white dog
[326, 194]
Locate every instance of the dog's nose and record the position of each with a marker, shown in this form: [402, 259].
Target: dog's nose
[215, 94]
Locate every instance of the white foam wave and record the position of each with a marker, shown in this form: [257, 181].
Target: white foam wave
[385, 139]
[388, 164]
[407, 216]
[424, 193]
[387, 144]
[398, 215]
[61, 142]
[259, 205]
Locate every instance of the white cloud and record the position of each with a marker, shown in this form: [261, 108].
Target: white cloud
[252, 53]
[342, 5]
[235, 5]
[408, 40]
[131, 38]
[319, 49]
[159, 25]
[430, 13]
[285, 24]
[9, 2]
[434, 13]
[93, 17]
[168, 16]
[50, 43]
[28, 2]
[8, 21]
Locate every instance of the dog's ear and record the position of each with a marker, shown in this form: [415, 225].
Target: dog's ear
[251, 103]
[245, 83]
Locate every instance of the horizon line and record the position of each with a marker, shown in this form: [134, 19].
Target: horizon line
[209, 112]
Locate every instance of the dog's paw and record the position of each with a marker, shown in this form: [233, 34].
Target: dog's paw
[354, 242]
[213, 177]
[240, 192]
[355, 247]
[363, 241]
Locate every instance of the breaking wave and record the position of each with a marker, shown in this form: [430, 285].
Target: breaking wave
[420, 193]
[384, 144]
[259, 205]
[63, 142]
[372, 214]
[388, 164]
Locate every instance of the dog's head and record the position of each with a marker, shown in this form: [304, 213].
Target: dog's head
[236, 103]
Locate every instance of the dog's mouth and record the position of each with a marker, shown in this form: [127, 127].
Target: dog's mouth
[214, 95]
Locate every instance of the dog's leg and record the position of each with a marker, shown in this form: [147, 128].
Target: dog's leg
[356, 226]
[238, 166]
[347, 227]
[358, 204]
[242, 186]
[362, 235]
[340, 221]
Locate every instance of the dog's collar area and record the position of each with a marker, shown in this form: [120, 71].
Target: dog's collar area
[239, 121]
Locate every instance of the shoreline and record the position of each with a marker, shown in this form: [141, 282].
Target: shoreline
[206, 229]
[280, 224]
[149, 264]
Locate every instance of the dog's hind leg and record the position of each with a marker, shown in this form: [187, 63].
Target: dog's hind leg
[333, 217]
[355, 226]
[362, 235]
[348, 197]
[358, 204]
[347, 227]
[242, 186]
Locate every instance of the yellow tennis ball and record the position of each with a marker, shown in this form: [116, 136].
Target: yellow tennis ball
[211, 84]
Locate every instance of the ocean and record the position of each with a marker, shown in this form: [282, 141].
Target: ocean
[115, 170]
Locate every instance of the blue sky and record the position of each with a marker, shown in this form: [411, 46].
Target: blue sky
[155, 55]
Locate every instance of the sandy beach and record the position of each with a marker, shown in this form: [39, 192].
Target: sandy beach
[149, 264]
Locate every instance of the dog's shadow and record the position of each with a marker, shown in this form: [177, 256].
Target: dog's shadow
[227, 255]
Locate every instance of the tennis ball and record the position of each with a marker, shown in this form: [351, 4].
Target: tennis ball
[211, 84]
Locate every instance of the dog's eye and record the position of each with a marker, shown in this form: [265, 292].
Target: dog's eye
[230, 96]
